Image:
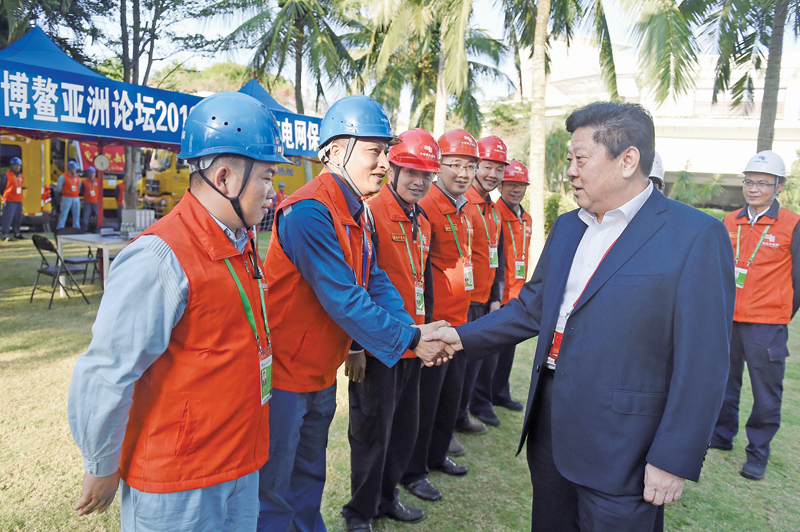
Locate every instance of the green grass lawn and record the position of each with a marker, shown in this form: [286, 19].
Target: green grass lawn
[41, 469]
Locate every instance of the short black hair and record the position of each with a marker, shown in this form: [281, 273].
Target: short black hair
[230, 160]
[618, 126]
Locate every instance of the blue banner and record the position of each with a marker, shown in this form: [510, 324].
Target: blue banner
[44, 99]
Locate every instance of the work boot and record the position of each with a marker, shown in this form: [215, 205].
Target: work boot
[455, 448]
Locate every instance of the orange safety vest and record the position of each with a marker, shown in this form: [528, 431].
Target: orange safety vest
[279, 197]
[308, 345]
[450, 299]
[120, 195]
[196, 418]
[90, 191]
[507, 216]
[71, 187]
[13, 191]
[394, 230]
[768, 293]
[484, 276]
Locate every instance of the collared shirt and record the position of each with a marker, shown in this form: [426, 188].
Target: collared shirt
[596, 241]
[458, 203]
[126, 340]
[753, 216]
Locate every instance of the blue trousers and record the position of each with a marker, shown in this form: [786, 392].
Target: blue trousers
[764, 349]
[12, 216]
[292, 480]
[88, 210]
[67, 205]
[230, 507]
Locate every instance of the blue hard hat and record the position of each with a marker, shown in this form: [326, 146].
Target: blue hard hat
[16, 160]
[356, 116]
[91, 170]
[73, 165]
[281, 184]
[234, 123]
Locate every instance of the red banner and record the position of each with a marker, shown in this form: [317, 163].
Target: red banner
[115, 153]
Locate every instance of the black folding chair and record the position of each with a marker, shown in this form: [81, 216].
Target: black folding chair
[84, 262]
[56, 271]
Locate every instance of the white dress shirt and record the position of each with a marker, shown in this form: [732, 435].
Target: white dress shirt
[596, 241]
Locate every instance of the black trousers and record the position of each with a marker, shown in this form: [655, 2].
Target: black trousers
[476, 310]
[561, 505]
[491, 386]
[439, 400]
[384, 414]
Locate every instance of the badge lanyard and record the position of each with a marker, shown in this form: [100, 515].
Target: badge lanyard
[519, 265]
[419, 294]
[741, 273]
[265, 356]
[469, 281]
[493, 260]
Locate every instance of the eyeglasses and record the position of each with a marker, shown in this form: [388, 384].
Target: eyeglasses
[470, 168]
[762, 185]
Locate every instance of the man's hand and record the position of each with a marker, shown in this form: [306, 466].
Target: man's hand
[494, 305]
[98, 493]
[661, 487]
[431, 352]
[355, 366]
[449, 336]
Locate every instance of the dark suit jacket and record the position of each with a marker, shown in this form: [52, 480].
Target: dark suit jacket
[642, 368]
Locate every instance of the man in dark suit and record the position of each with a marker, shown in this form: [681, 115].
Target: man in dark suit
[632, 300]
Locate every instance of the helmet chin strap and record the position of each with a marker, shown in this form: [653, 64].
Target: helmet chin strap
[323, 156]
[200, 168]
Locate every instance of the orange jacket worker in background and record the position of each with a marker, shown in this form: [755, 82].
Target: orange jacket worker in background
[13, 192]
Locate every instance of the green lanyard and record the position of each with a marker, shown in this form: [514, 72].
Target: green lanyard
[410, 258]
[455, 234]
[486, 227]
[248, 310]
[758, 246]
[513, 241]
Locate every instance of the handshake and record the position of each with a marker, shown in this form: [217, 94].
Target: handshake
[438, 343]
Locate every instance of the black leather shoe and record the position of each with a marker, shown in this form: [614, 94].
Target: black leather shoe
[455, 448]
[472, 427]
[753, 471]
[512, 405]
[424, 490]
[404, 514]
[719, 443]
[19, 236]
[451, 468]
[356, 524]
[490, 418]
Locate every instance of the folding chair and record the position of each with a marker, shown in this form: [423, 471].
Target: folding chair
[80, 261]
[43, 244]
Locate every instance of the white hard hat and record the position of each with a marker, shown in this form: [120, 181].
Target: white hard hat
[657, 172]
[766, 162]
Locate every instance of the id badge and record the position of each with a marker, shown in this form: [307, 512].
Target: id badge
[419, 298]
[19, 190]
[469, 280]
[519, 269]
[265, 361]
[494, 260]
[91, 192]
[74, 188]
[739, 276]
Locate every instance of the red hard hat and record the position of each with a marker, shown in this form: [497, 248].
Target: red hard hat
[516, 172]
[418, 150]
[493, 149]
[459, 142]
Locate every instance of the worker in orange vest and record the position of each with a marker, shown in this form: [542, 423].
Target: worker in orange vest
[13, 193]
[328, 293]
[766, 243]
[384, 401]
[68, 185]
[492, 387]
[91, 192]
[487, 256]
[172, 395]
[452, 273]
[281, 194]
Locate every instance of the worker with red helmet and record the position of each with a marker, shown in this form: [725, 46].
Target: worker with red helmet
[487, 255]
[452, 280]
[492, 388]
[384, 401]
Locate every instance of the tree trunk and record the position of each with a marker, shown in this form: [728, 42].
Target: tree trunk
[126, 54]
[440, 111]
[137, 39]
[132, 175]
[538, 136]
[298, 71]
[772, 79]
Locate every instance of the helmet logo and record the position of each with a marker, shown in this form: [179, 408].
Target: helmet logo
[427, 148]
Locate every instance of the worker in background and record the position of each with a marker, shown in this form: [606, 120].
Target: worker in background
[766, 243]
[172, 395]
[281, 194]
[487, 256]
[384, 401]
[91, 192]
[68, 186]
[452, 280]
[492, 387]
[657, 173]
[120, 195]
[13, 192]
[328, 291]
